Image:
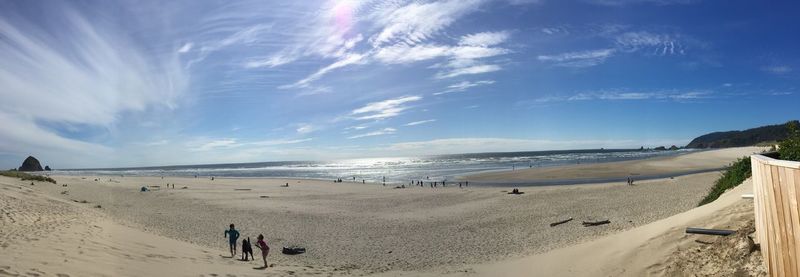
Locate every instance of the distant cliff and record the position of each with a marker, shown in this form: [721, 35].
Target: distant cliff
[749, 137]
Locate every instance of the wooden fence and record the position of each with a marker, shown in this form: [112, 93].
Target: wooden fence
[776, 189]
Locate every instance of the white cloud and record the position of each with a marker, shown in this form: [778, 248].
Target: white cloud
[420, 122]
[185, 48]
[630, 2]
[416, 22]
[777, 69]
[305, 128]
[215, 145]
[485, 38]
[401, 53]
[86, 76]
[384, 131]
[464, 85]
[345, 61]
[578, 59]
[624, 95]
[384, 109]
[477, 69]
[279, 142]
[659, 44]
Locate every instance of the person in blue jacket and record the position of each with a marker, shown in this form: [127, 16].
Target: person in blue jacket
[232, 236]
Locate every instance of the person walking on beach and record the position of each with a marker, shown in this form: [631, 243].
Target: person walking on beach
[232, 236]
[264, 248]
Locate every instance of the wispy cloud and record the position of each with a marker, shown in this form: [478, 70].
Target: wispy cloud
[202, 145]
[470, 70]
[305, 128]
[419, 122]
[417, 22]
[578, 59]
[464, 85]
[85, 74]
[659, 44]
[384, 109]
[630, 2]
[384, 131]
[777, 69]
[402, 35]
[627, 95]
[485, 38]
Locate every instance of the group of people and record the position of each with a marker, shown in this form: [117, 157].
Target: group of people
[247, 250]
[434, 184]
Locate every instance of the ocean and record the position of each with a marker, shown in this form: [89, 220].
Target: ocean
[394, 170]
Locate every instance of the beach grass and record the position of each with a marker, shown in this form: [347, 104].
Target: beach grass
[25, 176]
[733, 176]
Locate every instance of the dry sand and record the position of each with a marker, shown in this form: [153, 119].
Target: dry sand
[349, 229]
[672, 165]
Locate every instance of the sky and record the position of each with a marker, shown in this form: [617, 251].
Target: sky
[146, 83]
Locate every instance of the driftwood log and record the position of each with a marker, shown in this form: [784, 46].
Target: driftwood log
[595, 223]
[560, 222]
[715, 232]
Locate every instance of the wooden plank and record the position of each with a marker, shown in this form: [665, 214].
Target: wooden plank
[758, 205]
[791, 185]
[786, 222]
[760, 209]
[774, 237]
[777, 227]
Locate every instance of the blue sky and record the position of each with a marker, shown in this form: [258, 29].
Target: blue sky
[134, 83]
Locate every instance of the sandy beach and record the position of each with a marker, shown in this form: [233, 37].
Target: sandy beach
[353, 228]
[637, 169]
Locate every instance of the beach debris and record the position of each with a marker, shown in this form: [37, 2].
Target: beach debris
[516, 191]
[143, 189]
[98, 206]
[32, 184]
[264, 196]
[595, 223]
[66, 192]
[293, 250]
[184, 187]
[243, 189]
[285, 186]
[703, 242]
[715, 232]
[560, 222]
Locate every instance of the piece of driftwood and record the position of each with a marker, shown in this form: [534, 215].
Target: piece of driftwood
[703, 242]
[560, 222]
[243, 189]
[595, 223]
[715, 232]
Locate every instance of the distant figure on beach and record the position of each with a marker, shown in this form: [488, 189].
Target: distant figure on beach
[247, 250]
[264, 248]
[212, 178]
[466, 183]
[363, 182]
[232, 236]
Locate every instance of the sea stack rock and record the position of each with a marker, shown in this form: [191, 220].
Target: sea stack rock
[47, 168]
[30, 164]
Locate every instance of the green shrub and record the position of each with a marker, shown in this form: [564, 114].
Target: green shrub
[734, 175]
[25, 176]
[789, 149]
